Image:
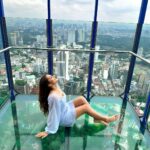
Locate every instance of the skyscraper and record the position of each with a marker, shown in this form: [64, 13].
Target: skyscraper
[13, 38]
[62, 61]
[81, 35]
[71, 36]
[97, 54]
[105, 70]
[114, 69]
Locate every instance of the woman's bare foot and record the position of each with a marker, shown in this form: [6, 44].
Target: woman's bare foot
[108, 120]
[100, 121]
[112, 118]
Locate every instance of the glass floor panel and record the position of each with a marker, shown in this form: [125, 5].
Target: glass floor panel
[21, 120]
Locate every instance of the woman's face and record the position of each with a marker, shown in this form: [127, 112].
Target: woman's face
[51, 79]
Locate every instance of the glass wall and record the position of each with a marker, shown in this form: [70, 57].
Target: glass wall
[72, 10]
[71, 68]
[26, 32]
[119, 11]
[115, 36]
[28, 65]
[149, 123]
[6, 122]
[110, 73]
[144, 49]
[140, 86]
[25, 9]
[4, 92]
[117, 24]
[71, 34]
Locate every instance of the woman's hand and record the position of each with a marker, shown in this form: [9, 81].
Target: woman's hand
[42, 135]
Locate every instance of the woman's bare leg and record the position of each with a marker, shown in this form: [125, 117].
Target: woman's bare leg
[80, 101]
[86, 108]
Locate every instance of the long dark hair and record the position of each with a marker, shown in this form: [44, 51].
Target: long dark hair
[44, 91]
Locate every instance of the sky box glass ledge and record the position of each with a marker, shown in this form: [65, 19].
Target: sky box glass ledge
[108, 63]
[21, 119]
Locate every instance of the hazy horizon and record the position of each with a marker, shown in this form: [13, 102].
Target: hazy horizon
[77, 21]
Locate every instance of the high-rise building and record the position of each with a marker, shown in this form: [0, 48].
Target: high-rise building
[39, 66]
[20, 42]
[140, 51]
[67, 65]
[97, 54]
[62, 61]
[114, 69]
[107, 59]
[41, 41]
[13, 38]
[105, 70]
[71, 36]
[55, 41]
[80, 35]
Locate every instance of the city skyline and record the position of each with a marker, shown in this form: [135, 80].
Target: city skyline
[110, 36]
[110, 71]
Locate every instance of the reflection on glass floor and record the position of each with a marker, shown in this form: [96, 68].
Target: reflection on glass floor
[18, 131]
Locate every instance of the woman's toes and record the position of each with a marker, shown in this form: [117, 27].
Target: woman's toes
[113, 118]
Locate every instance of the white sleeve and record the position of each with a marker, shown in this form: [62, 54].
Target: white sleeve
[53, 118]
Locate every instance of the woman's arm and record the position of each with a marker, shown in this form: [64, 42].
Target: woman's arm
[53, 118]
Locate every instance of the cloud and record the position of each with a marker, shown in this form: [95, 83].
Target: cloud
[27, 8]
[72, 2]
[109, 10]
[121, 11]
[73, 11]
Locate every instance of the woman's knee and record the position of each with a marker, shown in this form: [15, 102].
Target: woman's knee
[86, 108]
[81, 110]
[83, 99]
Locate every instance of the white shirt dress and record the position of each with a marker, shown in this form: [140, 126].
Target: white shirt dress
[60, 113]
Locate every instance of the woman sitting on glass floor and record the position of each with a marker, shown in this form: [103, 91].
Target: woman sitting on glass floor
[53, 103]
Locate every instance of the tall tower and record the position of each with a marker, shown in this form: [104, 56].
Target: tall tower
[97, 54]
[105, 70]
[67, 64]
[71, 36]
[114, 69]
[13, 38]
[62, 65]
[81, 35]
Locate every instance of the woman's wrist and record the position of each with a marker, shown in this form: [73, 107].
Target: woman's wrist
[46, 132]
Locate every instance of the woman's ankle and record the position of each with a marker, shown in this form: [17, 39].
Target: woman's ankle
[113, 118]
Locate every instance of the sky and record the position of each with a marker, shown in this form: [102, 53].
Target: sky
[108, 11]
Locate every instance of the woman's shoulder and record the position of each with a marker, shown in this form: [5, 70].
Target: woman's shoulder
[53, 96]
[52, 99]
